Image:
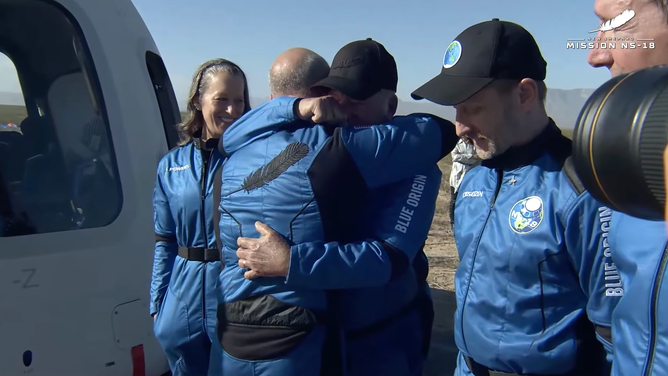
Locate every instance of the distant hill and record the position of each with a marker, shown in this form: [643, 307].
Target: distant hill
[12, 114]
[562, 105]
[13, 99]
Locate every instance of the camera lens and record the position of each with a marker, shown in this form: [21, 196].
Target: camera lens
[619, 139]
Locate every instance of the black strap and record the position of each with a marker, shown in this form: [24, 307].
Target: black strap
[573, 178]
[217, 182]
[163, 238]
[478, 369]
[591, 357]
[199, 254]
[604, 332]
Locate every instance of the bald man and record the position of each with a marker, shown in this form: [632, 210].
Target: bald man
[347, 210]
[295, 71]
[355, 238]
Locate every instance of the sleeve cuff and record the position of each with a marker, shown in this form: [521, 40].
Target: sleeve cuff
[293, 114]
[294, 276]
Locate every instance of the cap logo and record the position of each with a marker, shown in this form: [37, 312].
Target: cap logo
[452, 54]
[349, 62]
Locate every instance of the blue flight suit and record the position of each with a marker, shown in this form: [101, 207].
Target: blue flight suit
[640, 325]
[314, 185]
[187, 262]
[531, 283]
[387, 327]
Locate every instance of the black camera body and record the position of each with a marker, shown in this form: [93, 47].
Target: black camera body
[619, 139]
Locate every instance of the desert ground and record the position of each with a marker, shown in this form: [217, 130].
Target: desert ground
[443, 260]
[12, 114]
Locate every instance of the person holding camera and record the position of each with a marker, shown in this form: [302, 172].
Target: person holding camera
[639, 246]
[530, 286]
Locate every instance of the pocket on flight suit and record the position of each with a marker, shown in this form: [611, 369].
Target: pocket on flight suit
[171, 323]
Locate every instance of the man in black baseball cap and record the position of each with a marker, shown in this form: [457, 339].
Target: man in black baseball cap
[531, 283]
[363, 78]
[387, 322]
[485, 61]
[481, 54]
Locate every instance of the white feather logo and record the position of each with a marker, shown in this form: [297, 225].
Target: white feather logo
[616, 22]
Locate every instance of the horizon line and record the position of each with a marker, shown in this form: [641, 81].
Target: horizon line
[264, 96]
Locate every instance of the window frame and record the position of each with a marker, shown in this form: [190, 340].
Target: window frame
[165, 97]
[88, 69]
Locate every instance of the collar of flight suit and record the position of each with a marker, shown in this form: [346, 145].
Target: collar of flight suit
[549, 141]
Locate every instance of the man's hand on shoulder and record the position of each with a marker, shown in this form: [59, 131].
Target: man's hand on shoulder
[321, 110]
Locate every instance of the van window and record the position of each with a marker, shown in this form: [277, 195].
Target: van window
[57, 165]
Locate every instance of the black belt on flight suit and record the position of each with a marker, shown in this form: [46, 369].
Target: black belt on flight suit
[199, 254]
[478, 369]
[591, 356]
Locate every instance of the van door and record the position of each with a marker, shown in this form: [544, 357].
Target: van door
[76, 231]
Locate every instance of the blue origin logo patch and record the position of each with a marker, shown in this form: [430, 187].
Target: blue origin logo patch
[526, 215]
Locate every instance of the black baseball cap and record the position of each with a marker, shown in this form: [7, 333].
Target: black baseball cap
[481, 54]
[361, 69]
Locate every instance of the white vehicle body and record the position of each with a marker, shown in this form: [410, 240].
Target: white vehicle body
[77, 246]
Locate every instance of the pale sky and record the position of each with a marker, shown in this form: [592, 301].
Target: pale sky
[252, 33]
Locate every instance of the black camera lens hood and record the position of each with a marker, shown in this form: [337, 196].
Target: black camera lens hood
[619, 139]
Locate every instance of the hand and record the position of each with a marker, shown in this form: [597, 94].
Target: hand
[155, 315]
[321, 110]
[267, 256]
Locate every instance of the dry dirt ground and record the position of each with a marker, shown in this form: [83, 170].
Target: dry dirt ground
[443, 262]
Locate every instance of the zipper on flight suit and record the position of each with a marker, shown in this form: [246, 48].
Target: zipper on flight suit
[499, 183]
[653, 313]
[206, 162]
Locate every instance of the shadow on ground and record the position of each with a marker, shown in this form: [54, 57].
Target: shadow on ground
[443, 353]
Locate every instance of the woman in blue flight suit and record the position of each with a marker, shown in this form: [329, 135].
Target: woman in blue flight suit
[187, 261]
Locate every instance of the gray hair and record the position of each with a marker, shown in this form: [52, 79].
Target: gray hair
[200, 83]
[297, 80]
